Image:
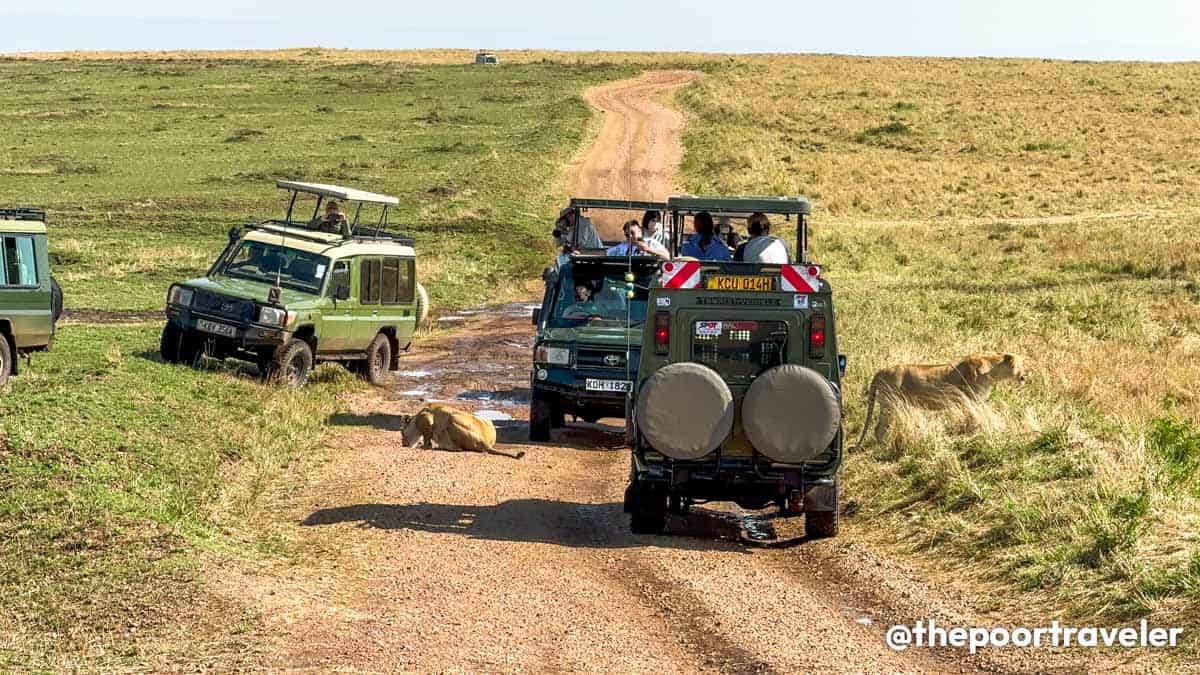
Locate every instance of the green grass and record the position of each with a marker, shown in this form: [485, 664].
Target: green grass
[117, 470]
[144, 166]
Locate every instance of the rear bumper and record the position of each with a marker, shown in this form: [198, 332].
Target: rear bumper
[744, 481]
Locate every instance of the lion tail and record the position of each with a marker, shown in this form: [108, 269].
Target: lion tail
[870, 410]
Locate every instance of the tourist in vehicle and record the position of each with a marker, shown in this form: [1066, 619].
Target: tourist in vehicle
[652, 227]
[705, 245]
[762, 247]
[569, 220]
[584, 304]
[335, 221]
[636, 244]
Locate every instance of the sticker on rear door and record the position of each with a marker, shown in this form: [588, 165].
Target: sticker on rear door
[663, 302]
[799, 301]
[708, 328]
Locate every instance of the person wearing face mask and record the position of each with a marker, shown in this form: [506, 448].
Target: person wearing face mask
[653, 228]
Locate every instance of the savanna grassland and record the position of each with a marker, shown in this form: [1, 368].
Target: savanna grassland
[115, 469]
[1044, 208]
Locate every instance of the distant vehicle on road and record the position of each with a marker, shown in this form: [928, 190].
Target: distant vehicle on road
[486, 58]
[30, 299]
[287, 294]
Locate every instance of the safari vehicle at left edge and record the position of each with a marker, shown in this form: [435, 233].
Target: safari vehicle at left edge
[30, 299]
[288, 294]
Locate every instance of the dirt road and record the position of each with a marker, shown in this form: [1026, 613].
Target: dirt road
[431, 560]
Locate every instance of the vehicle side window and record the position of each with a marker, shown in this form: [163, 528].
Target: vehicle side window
[397, 281]
[370, 282]
[391, 275]
[19, 264]
[339, 277]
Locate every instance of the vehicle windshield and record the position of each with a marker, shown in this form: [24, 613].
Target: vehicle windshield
[258, 261]
[595, 294]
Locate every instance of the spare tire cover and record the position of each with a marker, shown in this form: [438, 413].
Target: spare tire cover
[791, 413]
[685, 410]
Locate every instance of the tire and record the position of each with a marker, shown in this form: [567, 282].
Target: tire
[541, 418]
[379, 359]
[291, 364]
[179, 346]
[56, 299]
[558, 419]
[6, 359]
[648, 510]
[820, 524]
[168, 346]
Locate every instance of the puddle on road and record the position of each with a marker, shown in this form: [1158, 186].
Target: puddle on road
[493, 415]
[414, 393]
[419, 374]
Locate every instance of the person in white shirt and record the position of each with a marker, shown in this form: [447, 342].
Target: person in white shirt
[634, 244]
[652, 227]
[762, 247]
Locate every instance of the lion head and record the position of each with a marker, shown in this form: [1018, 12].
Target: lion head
[996, 367]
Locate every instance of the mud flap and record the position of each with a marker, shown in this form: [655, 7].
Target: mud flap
[822, 497]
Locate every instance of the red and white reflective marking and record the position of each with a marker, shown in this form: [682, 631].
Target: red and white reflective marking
[681, 274]
[801, 278]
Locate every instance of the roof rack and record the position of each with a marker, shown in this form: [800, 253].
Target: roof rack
[23, 213]
[616, 204]
[332, 239]
[740, 206]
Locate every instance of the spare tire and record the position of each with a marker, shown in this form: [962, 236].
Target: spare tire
[422, 305]
[791, 413]
[685, 410]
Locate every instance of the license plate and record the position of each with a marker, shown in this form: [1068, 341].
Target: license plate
[621, 386]
[734, 282]
[216, 328]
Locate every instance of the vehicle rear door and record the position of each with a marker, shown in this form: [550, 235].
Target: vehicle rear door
[25, 289]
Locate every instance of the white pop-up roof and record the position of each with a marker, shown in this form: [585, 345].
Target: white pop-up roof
[337, 192]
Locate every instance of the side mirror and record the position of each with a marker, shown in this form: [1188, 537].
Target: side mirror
[549, 275]
[234, 234]
[537, 315]
[274, 295]
[341, 292]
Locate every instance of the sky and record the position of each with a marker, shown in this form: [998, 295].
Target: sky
[1158, 30]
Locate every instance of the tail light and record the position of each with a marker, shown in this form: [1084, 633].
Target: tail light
[662, 332]
[816, 337]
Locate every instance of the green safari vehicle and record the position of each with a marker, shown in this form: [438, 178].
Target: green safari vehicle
[30, 299]
[287, 294]
[738, 391]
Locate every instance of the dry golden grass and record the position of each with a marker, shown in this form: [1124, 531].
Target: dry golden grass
[1042, 208]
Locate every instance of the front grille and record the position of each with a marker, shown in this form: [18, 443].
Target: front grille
[605, 358]
[224, 306]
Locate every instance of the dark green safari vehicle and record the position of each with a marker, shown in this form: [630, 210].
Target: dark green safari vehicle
[287, 294]
[738, 392]
[589, 325]
[30, 300]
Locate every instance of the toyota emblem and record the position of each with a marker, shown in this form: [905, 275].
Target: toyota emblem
[227, 307]
[612, 360]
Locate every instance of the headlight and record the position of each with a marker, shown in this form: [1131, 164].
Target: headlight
[178, 295]
[272, 316]
[558, 356]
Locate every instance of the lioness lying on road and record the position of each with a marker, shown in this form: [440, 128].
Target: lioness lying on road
[937, 386]
[452, 429]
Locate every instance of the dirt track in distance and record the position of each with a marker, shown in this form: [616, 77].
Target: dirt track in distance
[427, 560]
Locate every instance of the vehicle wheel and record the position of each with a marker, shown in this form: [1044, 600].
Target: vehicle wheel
[168, 346]
[291, 364]
[379, 358]
[56, 298]
[820, 524]
[648, 510]
[558, 419]
[540, 418]
[5, 359]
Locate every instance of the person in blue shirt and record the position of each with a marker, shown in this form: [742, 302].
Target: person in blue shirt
[705, 245]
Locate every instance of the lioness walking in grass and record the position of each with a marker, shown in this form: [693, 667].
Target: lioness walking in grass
[937, 386]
